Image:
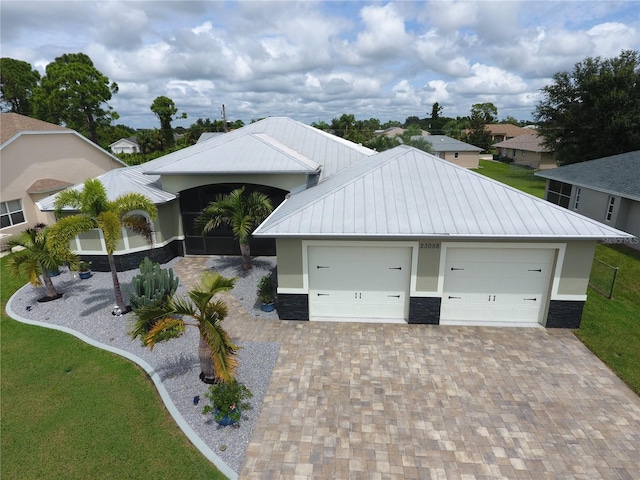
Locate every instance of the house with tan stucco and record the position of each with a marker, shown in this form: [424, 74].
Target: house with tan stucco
[528, 151]
[38, 159]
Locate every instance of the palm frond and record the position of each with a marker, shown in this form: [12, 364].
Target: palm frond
[164, 329]
[223, 351]
[130, 202]
[94, 198]
[109, 222]
[140, 225]
[67, 198]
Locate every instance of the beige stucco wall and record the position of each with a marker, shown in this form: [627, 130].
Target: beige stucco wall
[465, 159]
[428, 266]
[290, 267]
[60, 156]
[576, 268]
[178, 183]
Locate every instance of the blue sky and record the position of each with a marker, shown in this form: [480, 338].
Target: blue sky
[313, 61]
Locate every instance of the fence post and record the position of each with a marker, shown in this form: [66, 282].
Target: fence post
[613, 281]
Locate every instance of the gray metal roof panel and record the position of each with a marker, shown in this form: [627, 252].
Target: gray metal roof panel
[405, 192]
[442, 143]
[616, 175]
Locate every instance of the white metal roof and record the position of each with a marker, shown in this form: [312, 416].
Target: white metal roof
[272, 145]
[119, 182]
[405, 192]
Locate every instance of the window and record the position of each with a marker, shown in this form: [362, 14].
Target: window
[612, 201]
[455, 155]
[576, 202]
[559, 193]
[11, 213]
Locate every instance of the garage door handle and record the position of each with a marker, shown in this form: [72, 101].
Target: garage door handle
[450, 297]
[452, 269]
[533, 299]
[395, 268]
[537, 270]
[394, 296]
[323, 294]
[321, 266]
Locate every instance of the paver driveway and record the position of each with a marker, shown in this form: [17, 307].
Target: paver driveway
[351, 401]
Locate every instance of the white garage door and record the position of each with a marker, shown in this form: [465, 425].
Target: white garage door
[490, 285]
[359, 283]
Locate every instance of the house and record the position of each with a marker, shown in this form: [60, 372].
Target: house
[396, 236]
[455, 151]
[393, 132]
[504, 131]
[403, 236]
[208, 135]
[527, 151]
[38, 159]
[125, 145]
[276, 156]
[606, 189]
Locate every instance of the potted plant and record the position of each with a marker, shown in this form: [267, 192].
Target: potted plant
[266, 293]
[84, 270]
[226, 401]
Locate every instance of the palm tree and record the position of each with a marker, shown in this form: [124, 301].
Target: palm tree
[35, 259]
[241, 212]
[163, 322]
[95, 210]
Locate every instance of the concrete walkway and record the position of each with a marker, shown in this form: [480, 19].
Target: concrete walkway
[376, 401]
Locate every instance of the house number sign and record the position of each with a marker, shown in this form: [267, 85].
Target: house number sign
[429, 245]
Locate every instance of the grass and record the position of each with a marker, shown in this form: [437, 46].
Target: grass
[72, 411]
[609, 328]
[517, 177]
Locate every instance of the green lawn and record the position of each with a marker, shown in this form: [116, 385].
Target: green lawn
[610, 328]
[518, 177]
[72, 411]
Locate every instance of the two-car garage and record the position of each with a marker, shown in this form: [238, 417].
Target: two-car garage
[489, 286]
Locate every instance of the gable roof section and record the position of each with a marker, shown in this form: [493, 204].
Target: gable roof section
[272, 145]
[13, 123]
[615, 175]
[506, 129]
[405, 192]
[120, 181]
[442, 143]
[531, 142]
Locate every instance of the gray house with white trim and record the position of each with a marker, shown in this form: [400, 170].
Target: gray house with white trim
[396, 236]
[606, 189]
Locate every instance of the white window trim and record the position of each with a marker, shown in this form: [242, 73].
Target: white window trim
[9, 212]
[576, 201]
[610, 208]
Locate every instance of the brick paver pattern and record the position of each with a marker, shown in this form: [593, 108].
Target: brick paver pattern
[388, 401]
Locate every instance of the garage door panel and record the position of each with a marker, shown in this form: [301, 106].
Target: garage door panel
[359, 282]
[495, 285]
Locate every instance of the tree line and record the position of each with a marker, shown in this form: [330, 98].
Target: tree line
[590, 112]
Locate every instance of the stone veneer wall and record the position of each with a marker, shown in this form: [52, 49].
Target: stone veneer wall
[424, 310]
[292, 306]
[131, 261]
[564, 314]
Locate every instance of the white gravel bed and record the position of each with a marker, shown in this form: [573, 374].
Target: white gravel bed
[86, 307]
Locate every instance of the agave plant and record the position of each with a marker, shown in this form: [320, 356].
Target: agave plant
[165, 321]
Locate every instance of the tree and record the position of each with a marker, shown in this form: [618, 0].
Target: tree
[73, 92]
[165, 110]
[163, 322]
[95, 210]
[36, 259]
[593, 111]
[241, 212]
[18, 80]
[478, 135]
[484, 112]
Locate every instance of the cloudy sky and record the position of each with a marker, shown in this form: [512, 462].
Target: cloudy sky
[313, 61]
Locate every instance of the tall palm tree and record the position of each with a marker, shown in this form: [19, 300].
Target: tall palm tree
[95, 210]
[163, 322]
[241, 212]
[35, 259]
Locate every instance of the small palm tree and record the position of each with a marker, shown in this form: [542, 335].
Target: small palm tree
[241, 212]
[35, 259]
[95, 210]
[163, 322]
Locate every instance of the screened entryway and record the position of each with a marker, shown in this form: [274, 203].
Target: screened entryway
[221, 241]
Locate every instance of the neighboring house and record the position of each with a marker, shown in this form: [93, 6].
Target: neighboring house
[504, 131]
[38, 159]
[396, 236]
[125, 145]
[208, 135]
[606, 189]
[454, 151]
[393, 132]
[528, 151]
[403, 236]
